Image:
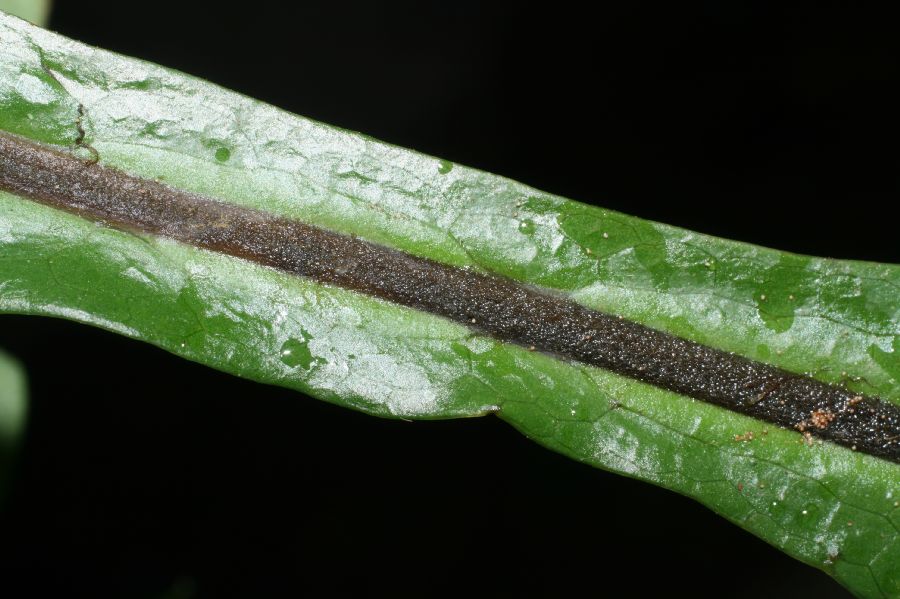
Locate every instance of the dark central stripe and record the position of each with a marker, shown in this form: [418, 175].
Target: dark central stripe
[493, 305]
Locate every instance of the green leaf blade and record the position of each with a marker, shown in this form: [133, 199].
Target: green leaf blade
[35, 11]
[13, 410]
[823, 504]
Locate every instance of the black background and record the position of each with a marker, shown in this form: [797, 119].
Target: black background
[147, 476]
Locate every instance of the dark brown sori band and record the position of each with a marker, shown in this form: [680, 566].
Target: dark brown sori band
[490, 304]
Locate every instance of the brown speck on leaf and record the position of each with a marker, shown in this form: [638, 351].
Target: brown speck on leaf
[849, 522]
[740, 487]
[748, 436]
[821, 418]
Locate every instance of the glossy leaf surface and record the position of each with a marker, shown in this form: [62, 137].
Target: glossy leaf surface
[825, 505]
